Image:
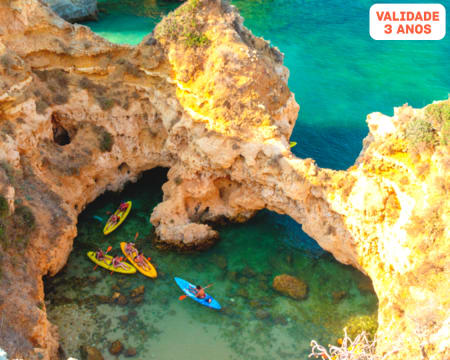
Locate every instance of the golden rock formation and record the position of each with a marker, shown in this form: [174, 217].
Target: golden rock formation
[207, 99]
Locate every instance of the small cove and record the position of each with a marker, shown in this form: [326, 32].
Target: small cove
[255, 323]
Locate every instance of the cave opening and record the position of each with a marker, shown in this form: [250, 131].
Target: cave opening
[96, 308]
[60, 134]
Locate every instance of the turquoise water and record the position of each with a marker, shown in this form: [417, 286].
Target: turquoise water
[338, 73]
[255, 322]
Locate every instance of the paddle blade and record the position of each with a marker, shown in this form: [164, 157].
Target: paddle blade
[108, 249]
[136, 236]
[95, 267]
[182, 297]
[149, 258]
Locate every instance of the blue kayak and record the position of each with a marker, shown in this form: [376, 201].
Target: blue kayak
[189, 290]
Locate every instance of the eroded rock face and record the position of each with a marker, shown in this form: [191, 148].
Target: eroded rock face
[80, 115]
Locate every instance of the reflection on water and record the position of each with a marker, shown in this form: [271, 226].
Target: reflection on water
[255, 323]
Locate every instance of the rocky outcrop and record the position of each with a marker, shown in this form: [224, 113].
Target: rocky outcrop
[290, 286]
[74, 10]
[205, 98]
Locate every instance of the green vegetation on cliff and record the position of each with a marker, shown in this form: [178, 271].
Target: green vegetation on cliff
[183, 24]
[432, 129]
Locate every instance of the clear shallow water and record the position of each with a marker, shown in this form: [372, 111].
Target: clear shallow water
[255, 323]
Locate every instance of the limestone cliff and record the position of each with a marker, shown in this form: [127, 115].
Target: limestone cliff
[207, 99]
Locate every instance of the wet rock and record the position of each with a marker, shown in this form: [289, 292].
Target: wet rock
[290, 286]
[119, 298]
[90, 353]
[243, 280]
[262, 314]
[130, 352]
[123, 319]
[338, 296]
[137, 291]
[74, 11]
[116, 348]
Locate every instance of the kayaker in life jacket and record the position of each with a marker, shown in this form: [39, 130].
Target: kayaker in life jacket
[117, 263]
[114, 219]
[140, 260]
[200, 293]
[129, 249]
[99, 255]
[123, 206]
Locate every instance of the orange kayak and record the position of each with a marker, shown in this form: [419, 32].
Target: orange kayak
[150, 272]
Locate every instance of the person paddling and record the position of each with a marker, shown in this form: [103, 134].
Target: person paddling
[140, 260]
[116, 262]
[123, 206]
[114, 219]
[200, 293]
[100, 255]
[130, 249]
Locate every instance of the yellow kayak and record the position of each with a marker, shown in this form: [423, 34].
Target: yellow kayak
[150, 273]
[107, 264]
[110, 227]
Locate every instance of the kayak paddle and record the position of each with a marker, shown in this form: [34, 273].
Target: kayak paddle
[107, 251]
[182, 297]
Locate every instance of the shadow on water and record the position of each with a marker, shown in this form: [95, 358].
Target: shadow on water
[255, 323]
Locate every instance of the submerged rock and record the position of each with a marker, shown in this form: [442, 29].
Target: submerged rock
[338, 295]
[137, 291]
[90, 353]
[116, 347]
[138, 299]
[119, 298]
[130, 352]
[290, 286]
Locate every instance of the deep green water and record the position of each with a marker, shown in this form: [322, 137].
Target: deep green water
[255, 323]
[339, 75]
